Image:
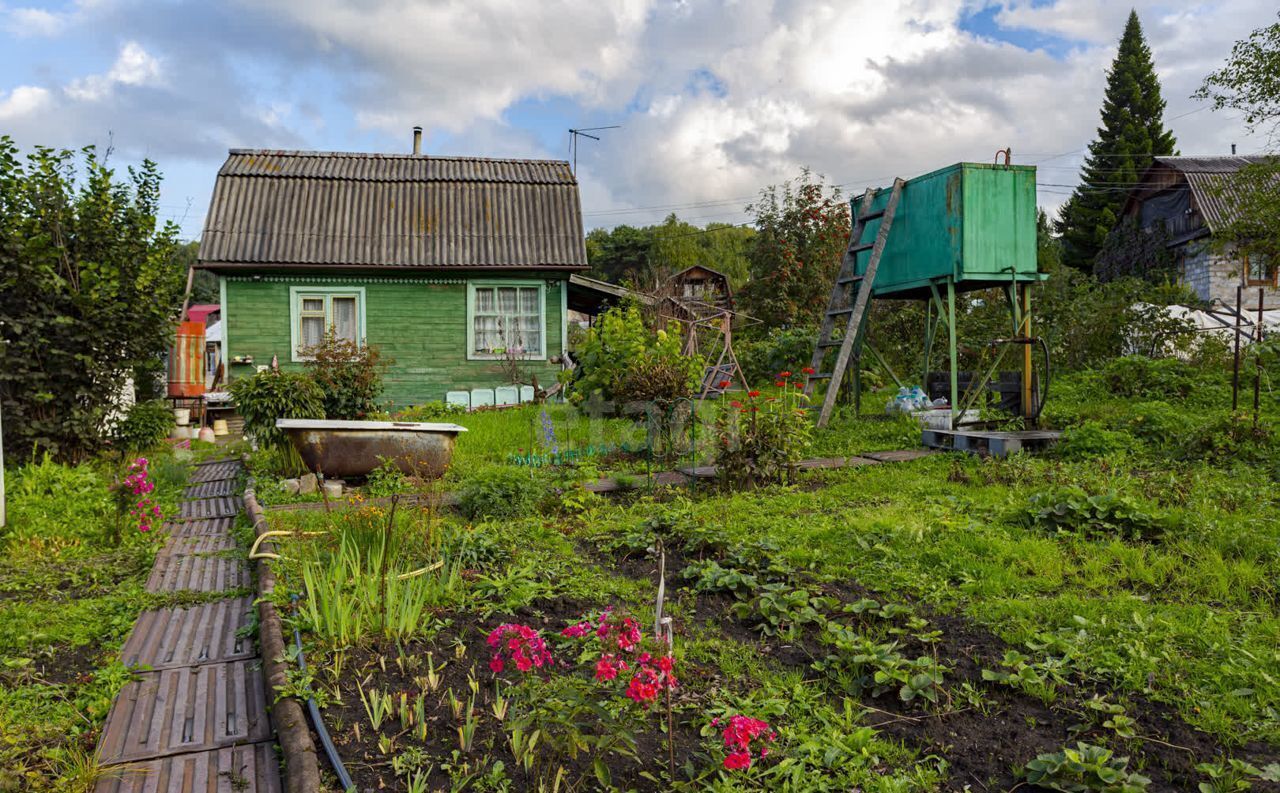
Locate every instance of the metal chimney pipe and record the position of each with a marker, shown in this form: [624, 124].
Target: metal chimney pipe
[1233, 149]
[417, 140]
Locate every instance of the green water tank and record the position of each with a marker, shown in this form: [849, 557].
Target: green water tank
[971, 221]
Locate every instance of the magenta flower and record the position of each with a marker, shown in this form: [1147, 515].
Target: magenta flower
[519, 644]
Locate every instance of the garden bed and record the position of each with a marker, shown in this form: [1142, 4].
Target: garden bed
[929, 624]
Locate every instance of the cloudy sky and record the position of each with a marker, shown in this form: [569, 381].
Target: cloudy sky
[715, 98]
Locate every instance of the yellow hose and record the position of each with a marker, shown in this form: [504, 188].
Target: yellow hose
[253, 552]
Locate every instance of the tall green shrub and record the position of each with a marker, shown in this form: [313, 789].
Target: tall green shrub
[623, 361]
[269, 395]
[88, 293]
[145, 425]
[349, 374]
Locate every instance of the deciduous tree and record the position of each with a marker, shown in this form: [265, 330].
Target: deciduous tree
[802, 230]
[88, 292]
[1249, 84]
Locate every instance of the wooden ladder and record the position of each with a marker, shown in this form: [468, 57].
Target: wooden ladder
[850, 297]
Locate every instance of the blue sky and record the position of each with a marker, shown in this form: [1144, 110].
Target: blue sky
[715, 99]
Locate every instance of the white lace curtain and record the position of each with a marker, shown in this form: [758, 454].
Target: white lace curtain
[507, 317]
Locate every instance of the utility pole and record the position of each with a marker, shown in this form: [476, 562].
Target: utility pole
[574, 134]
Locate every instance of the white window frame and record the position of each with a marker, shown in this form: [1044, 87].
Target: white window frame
[296, 295]
[472, 355]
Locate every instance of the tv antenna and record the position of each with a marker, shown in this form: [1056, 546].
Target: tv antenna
[574, 134]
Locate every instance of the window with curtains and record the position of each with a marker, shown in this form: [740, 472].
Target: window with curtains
[506, 318]
[313, 311]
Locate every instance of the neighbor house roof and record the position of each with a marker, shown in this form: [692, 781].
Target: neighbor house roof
[345, 210]
[1209, 179]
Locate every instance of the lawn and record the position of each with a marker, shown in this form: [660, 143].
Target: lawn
[1102, 616]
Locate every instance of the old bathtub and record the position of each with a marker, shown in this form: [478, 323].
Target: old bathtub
[356, 448]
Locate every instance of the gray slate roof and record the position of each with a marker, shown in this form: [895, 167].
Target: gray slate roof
[335, 209]
[1211, 183]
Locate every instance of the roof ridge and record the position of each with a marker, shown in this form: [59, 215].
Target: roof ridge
[390, 156]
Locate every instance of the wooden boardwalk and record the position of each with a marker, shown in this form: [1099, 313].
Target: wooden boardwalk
[196, 718]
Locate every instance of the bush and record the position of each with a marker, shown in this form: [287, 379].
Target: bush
[386, 480]
[1091, 439]
[52, 502]
[1157, 422]
[761, 440]
[430, 411]
[1139, 376]
[498, 492]
[764, 357]
[621, 360]
[349, 374]
[269, 395]
[1232, 438]
[1107, 515]
[145, 425]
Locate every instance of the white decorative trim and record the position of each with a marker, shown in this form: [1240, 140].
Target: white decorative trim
[295, 292]
[564, 321]
[226, 326]
[333, 279]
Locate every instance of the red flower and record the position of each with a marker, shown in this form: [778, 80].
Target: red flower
[735, 403]
[785, 375]
[778, 384]
[753, 394]
[737, 760]
[724, 383]
[807, 370]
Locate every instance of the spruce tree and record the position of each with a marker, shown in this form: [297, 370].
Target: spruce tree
[1132, 133]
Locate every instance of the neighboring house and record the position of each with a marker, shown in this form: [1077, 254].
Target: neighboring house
[1190, 197]
[457, 268]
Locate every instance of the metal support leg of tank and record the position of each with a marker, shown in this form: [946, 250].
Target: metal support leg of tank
[951, 350]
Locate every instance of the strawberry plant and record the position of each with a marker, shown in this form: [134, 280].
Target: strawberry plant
[782, 611]
[1071, 510]
[1084, 769]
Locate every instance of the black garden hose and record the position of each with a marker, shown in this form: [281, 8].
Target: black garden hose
[329, 749]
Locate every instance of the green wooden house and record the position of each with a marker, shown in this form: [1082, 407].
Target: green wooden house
[456, 267]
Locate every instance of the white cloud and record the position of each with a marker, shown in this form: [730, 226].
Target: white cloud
[716, 98]
[34, 22]
[451, 63]
[134, 66]
[22, 101]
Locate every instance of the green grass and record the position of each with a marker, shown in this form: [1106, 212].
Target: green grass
[67, 601]
[1187, 618]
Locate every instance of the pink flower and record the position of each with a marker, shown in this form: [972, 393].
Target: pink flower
[519, 644]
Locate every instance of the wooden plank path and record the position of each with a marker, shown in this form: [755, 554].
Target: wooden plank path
[196, 718]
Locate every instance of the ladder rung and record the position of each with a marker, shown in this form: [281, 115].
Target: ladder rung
[820, 376]
[879, 213]
[837, 312]
[850, 280]
[866, 246]
[834, 343]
